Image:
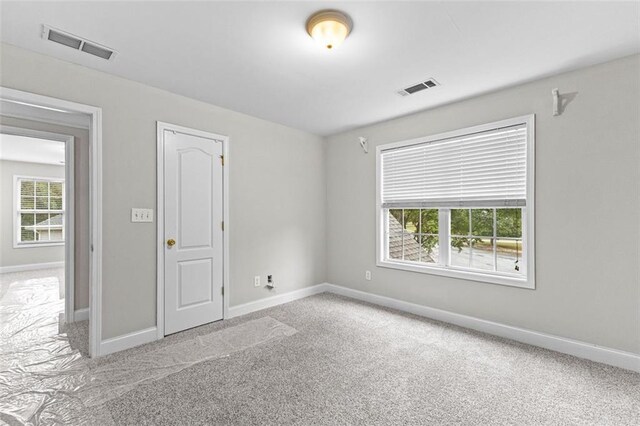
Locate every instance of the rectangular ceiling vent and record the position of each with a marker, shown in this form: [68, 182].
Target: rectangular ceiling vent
[428, 84]
[77, 43]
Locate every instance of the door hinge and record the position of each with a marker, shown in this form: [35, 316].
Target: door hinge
[222, 159]
[223, 291]
[222, 225]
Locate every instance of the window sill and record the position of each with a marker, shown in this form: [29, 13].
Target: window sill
[35, 245]
[460, 274]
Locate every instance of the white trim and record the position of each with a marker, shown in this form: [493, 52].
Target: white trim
[21, 111]
[69, 230]
[95, 172]
[81, 314]
[30, 267]
[159, 232]
[160, 237]
[568, 346]
[278, 299]
[42, 118]
[227, 229]
[528, 221]
[127, 341]
[614, 357]
[456, 272]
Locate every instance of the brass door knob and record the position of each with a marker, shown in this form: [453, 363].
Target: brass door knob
[171, 242]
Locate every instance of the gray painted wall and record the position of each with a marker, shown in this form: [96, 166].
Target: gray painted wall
[285, 183]
[587, 209]
[277, 186]
[10, 256]
[81, 184]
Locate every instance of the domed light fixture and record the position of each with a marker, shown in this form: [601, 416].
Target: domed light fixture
[329, 27]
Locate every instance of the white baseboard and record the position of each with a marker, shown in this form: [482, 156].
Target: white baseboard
[576, 348]
[30, 267]
[81, 314]
[275, 300]
[127, 341]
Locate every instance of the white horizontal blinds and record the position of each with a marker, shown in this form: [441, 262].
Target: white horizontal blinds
[474, 170]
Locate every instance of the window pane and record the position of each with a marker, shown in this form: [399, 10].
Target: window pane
[27, 187]
[56, 203]
[509, 222]
[394, 220]
[429, 224]
[482, 254]
[509, 256]
[395, 246]
[482, 222]
[41, 219]
[27, 219]
[42, 189]
[412, 248]
[411, 219]
[56, 189]
[42, 203]
[42, 235]
[56, 234]
[459, 221]
[429, 245]
[460, 252]
[27, 203]
[26, 235]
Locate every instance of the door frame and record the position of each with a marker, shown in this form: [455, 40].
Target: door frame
[69, 211]
[95, 198]
[160, 128]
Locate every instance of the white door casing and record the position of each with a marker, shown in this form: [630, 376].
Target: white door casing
[193, 215]
[95, 198]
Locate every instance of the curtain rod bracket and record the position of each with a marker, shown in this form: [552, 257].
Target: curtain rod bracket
[364, 143]
[556, 100]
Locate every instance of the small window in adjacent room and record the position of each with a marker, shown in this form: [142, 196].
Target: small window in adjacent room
[39, 211]
[460, 204]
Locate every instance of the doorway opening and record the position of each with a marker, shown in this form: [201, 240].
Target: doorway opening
[50, 158]
[38, 261]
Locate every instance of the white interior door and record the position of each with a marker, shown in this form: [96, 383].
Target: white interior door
[193, 241]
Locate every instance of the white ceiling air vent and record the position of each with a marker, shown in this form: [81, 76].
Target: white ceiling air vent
[78, 43]
[428, 84]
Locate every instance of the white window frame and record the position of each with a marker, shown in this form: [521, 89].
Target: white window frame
[527, 280]
[17, 244]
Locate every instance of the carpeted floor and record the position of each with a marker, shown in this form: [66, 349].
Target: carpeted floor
[348, 362]
[353, 363]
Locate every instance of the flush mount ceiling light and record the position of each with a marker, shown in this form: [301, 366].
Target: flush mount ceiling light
[329, 27]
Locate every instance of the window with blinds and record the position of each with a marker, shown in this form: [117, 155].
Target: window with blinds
[485, 168]
[40, 211]
[460, 203]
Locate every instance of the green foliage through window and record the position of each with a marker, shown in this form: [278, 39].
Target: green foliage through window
[483, 238]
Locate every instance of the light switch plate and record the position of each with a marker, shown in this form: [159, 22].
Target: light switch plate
[141, 215]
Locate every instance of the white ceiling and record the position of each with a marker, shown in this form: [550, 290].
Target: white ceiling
[256, 58]
[31, 150]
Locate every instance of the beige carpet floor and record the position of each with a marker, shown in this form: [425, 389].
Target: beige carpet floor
[347, 363]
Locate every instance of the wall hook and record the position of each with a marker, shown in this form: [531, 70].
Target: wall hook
[364, 144]
[556, 101]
